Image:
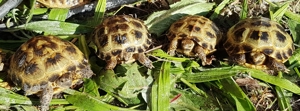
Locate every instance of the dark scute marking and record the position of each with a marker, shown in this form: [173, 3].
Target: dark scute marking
[148, 41]
[53, 78]
[21, 60]
[71, 49]
[204, 45]
[107, 57]
[210, 35]
[178, 24]
[55, 59]
[280, 28]
[183, 35]
[39, 53]
[290, 52]
[71, 68]
[247, 48]
[261, 23]
[280, 36]
[137, 24]
[254, 35]
[197, 28]
[81, 66]
[264, 36]
[211, 47]
[239, 24]
[103, 40]
[101, 55]
[196, 39]
[130, 49]
[145, 46]
[284, 56]
[111, 21]
[268, 51]
[120, 39]
[140, 50]
[116, 52]
[138, 34]
[122, 27]
[239, 34]
[100, 31]
[30, 69]
[278, 56]
[191, 27]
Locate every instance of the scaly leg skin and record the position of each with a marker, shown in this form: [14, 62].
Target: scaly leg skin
[238, 59]
[46, 97]
[173, 47]
[111, 64]
[201, 54]
[276, 66]
[144, 60]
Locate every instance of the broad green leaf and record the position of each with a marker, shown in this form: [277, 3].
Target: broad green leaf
[294, 27]
[39, 11]
[91, 87]
[280, 82]
[109, 81]
[294, 60]
[159, 22]
[58, 14]
[91, 103]
[8, 97]
[213, 74]
[56, 27]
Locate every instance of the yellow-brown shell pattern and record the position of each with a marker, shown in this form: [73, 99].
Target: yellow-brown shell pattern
[259, 35]
[197, 28]
[48, 59]
[63, 3]
[121, 36]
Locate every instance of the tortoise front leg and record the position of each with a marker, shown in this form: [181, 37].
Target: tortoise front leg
[238, 59]
[141, 57]
[200, 52]
[276, 66]
[111, 64]
[173, 47]
[46, 97]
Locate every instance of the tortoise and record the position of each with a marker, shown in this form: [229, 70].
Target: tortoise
[259, 43]
[122, 39]
[46, 65]
[62, 3]
[194, 36]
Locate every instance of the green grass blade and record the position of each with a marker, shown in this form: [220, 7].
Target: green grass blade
[218, 9]
[160, 96]
[244, 11]
[99, 13]
[277, 15]
[213, 74]
[242, 101]
[283, 101]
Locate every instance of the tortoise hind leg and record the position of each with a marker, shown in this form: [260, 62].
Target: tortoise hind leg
[111, 64]
[46, 97]
[141, 57]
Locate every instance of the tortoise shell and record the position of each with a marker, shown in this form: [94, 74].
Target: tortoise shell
[259, 43]
[1, 62]
[46, 65]
[122, 39]
[62, 3]
[194, 36]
